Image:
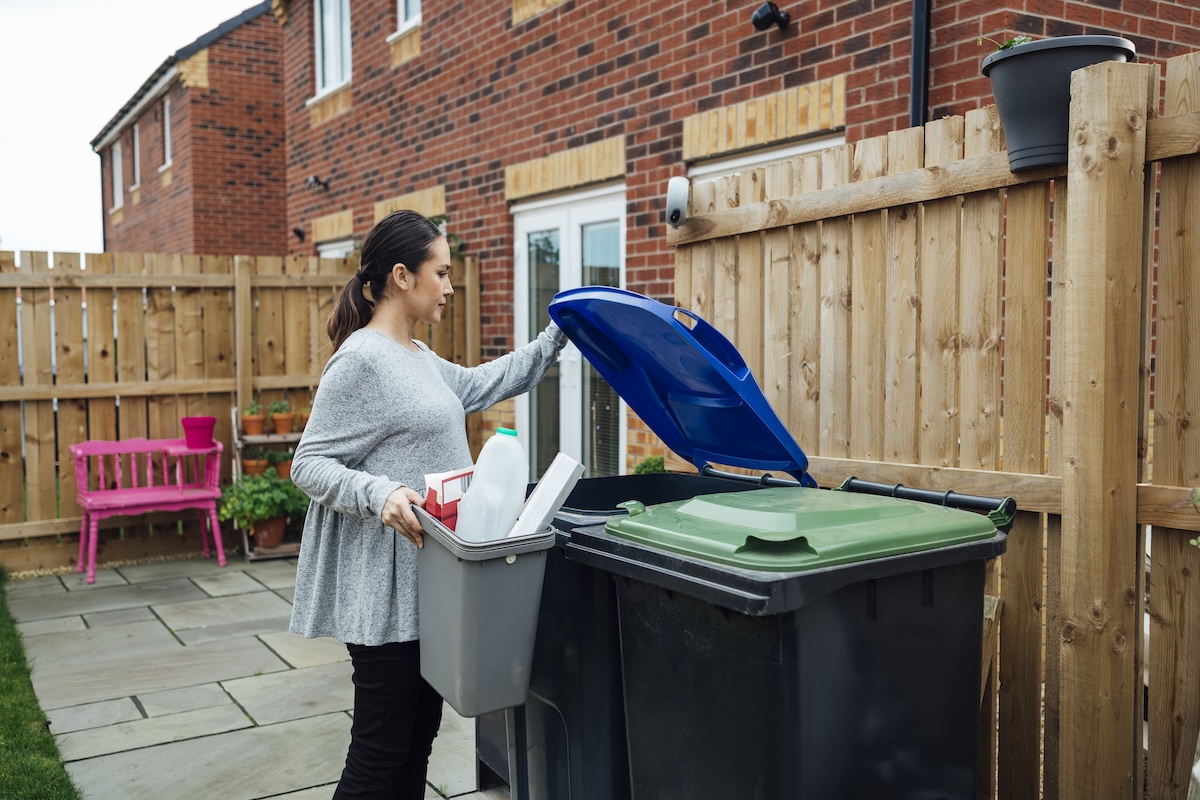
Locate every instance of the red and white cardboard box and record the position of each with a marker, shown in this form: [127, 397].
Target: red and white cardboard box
[443, 490]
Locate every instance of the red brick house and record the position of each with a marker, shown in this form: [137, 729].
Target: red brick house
[194, 162]
[545, 131]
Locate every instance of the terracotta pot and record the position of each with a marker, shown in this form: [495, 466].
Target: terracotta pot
[301, 420]
[269, 532]
[284, 468]
[254, 466]
[283, 422]
[252, 424]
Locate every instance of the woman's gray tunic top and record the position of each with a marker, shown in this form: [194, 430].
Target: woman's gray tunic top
[384, 417]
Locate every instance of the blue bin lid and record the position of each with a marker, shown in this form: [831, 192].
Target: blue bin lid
[684, 379]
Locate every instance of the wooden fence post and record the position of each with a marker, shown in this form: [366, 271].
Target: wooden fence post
[1101, 608]
[243, 342]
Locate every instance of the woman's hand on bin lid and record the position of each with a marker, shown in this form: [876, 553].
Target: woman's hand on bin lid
[398, 515]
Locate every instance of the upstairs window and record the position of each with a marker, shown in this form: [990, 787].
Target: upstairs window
[408, 14]
[166, 132]
[118, 193]
[333, 44]
[137, 159]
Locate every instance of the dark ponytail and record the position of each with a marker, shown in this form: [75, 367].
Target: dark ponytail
[402, 237]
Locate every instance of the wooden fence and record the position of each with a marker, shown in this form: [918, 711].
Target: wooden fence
[116, 345]
[921, 315]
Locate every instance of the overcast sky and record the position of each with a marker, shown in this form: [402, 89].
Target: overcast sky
[66, 67]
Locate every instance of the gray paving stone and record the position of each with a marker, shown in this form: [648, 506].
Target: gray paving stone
[316, 793]
[452, 762]
[170, 570]
[288, 594]
[105, 579]
[93, 715]
[242, 765]
[294, 694]
[147, 732]
[273, 574]
[221, 610]
[234, 630]
[121, 674]
[56, 625]
[95, 601]
[227, 583]
[35, 587]
[74, 651]
[300, 652]
[175, 701]
[122, 617]
[499, 793]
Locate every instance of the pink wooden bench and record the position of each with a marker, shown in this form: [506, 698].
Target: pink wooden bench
[137, 476]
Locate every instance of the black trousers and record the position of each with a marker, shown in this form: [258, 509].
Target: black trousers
[396, 718]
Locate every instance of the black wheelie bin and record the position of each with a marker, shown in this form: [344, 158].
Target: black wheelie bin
[737, 666]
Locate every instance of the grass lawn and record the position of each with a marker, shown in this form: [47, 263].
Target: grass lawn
[30, 766]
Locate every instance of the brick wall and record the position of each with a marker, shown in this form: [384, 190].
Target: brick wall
[224, 191]
[237, 132]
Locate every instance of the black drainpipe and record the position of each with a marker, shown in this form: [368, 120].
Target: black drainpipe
[919, 79]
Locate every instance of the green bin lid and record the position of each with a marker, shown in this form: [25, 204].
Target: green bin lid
[794, 529]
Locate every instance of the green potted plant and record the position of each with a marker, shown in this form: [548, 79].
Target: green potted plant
[253, 419]
[302, 417]
[1031, 82]
[254, 460]
[281, 460]
[261, 505]
[281, 416]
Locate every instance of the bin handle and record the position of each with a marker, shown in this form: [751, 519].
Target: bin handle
[1000, 510]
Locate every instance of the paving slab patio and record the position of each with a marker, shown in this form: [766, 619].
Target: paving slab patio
[180, 679]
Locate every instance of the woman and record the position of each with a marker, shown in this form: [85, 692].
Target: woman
[387, 412]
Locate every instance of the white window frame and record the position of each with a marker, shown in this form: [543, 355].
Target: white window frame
[404, 24]
[569, 212]
[117, 182]
[713, 168]
[166, 112]
[336, 248]
[325, 84]
[137, 159]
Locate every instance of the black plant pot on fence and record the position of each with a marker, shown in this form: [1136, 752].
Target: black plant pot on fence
[1032, 86]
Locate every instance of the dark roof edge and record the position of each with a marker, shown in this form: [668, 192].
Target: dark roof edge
[179, 55]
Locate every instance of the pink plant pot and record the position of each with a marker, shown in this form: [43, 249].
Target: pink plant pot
[198, 431]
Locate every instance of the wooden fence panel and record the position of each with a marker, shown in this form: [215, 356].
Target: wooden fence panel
[68, 348]
[216, 308]
[1021, 568]
[902, 344]
[779, 258]
[40, 452]
[269, 332]
[162, 411]
[941, 335]
[837, 287]
[725, 266]
[1174, 655]
[101, 349]
[189, 337]
[296, 327]
[802, 411]
[748, 284]
[131, 349]
[12, 468]
[704, 200]
[868, 234]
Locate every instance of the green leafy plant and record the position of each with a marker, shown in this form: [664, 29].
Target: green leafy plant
[1009, 45]
[261, 497]
[453, 239]
[254, 453]
[252, 408]
[279, 456]
[648, 465]
[280, 407]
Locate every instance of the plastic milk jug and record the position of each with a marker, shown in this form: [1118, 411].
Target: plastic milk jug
[493, 500]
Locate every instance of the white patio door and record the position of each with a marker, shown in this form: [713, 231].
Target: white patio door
[562, 244]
